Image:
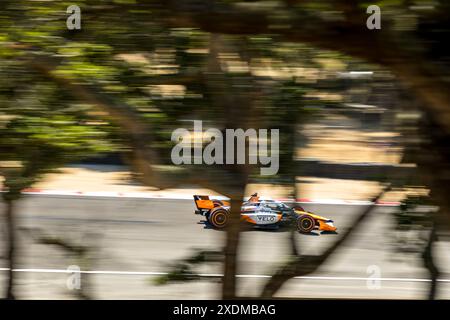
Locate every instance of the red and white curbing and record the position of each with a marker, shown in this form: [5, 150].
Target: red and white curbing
[183, 196]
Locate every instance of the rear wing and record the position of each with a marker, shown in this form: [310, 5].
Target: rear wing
[203, 202]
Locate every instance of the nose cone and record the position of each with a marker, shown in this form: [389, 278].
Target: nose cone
[327, 225]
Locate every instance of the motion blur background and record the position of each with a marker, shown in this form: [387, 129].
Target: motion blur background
[363, 116]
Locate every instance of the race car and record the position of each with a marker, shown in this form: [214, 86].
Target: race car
[262, 214]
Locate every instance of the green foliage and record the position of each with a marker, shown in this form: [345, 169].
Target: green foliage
[183, 270]
[41, 144]
[413, 221]
[408, 215]
[42, 129]
[129, 52]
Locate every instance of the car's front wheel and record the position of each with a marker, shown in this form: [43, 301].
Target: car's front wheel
[305, 224]
[218, 218]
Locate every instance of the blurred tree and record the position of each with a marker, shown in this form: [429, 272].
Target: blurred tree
[416, 233]
[38, 135]
[143, 66]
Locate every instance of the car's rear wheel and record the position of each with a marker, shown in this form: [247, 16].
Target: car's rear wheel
[218, 218]
[305, 224]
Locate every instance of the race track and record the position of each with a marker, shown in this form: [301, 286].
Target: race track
[134, 239]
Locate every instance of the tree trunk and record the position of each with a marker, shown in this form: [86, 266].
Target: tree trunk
[430, 265]
[10, 255]
[231, 249]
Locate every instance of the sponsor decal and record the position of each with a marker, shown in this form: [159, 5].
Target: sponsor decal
[262, 218]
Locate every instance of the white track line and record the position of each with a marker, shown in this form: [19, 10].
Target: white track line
[215, 275]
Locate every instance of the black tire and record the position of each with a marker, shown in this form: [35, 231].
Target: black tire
[217, 203]
[305, 224]
[218, 218]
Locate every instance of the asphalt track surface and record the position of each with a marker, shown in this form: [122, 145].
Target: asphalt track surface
[134, 240]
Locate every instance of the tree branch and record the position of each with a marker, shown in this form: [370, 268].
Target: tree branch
[300, 265]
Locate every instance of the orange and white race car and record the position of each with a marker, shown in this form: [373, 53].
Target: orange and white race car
[267, 214]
